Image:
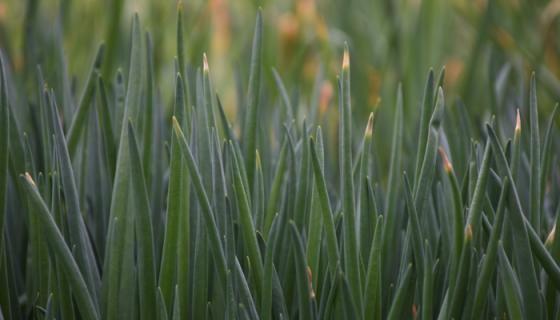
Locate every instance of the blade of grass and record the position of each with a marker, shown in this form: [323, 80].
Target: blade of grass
[546, 153]
[175, 196]
[523, 253]
[372, 294]
[106, 124]
[315, 222]
[425, 113]
[245, 293]
[81, 115]
[511, 286]
[266, 301]
[276, 187]
[144, 233]
[426, 175]
[247, 226]
[161, 311]
[457, 218]
[535, 158]
[78, 234]
[414, 226]
[253, 95]
[4, 149]
[401, 295]
[390, 212]
[53, 236]
[368, 207]
[115, 251]
[475, 207]
[216, 244]
[428, 283]
[148, 124]
[200, 271]
[457, 298]
[304, 190]
[330, 231]
[304, 292]
[489, 262]
[351, 256]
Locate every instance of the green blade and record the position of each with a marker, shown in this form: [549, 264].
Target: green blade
[251, 122]
[535, 158]
[207, 214]
[351, 256]
[511, 287]
[303, 284]
[144, 233]
[4, 145]
[489, 263]
[175, 197]
[332, 244]
[401, 295]
[115, 246]
[247, 225]
[55, 240]
[80, 117]
[78, 234]
[373, 294]
[521, 240]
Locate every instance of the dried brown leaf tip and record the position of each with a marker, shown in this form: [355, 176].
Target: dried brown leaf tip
[345, 59]
[310, 282]
[29, 179]
[551, 235]
[468, 232]
[517, 122]
[446, 164]
[369, 127]
[205, 67]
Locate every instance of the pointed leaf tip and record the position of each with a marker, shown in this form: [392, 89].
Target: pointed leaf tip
[369, 127]
[517, 122]
[446, 163]
[205, 63]
[550, 237]
[345, 58]
[29, 179]
[310, 282]
[175, 123]
[437, 115]
[468, 232]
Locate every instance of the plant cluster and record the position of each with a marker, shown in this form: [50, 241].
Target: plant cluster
[113, 209]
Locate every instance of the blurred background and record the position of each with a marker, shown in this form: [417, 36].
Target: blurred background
[488, 48]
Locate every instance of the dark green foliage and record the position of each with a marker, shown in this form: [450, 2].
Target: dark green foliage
[127, 209]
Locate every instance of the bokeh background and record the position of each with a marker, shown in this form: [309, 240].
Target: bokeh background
[488, 48]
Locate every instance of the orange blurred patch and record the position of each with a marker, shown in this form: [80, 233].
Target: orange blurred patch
[325, 96]
[288, 28]
[311, 67]
[219, 12]
[374, 84]
[306, 10]
[504, 39]
[3, 11]
[453, 71]
[321, 29]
